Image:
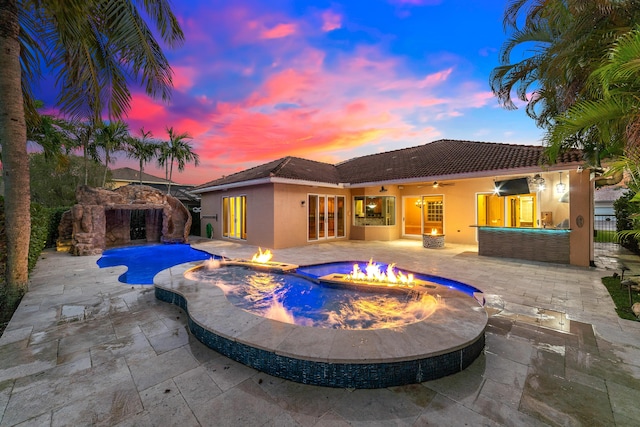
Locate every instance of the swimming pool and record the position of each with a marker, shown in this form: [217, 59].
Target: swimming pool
[144, 262]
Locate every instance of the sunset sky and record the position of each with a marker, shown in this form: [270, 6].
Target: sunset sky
[329, 80]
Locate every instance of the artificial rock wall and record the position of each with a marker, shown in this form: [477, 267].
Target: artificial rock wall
[101, 218]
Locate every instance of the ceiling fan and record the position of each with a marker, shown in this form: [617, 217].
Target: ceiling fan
[438, 184]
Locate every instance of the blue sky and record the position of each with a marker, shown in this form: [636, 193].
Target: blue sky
[329, 80]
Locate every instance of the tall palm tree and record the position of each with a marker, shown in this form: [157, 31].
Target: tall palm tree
[143, 149]
[563, 42]
[164, 154]
[111, 138]
[84, 134]
[95, 48]
[180, 152]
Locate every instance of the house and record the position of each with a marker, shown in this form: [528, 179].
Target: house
[126, 176]
[500, 197]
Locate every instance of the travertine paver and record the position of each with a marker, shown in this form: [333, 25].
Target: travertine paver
[556, 353]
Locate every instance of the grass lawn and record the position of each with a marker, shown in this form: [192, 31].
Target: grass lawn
[605, 236]
[620, 296]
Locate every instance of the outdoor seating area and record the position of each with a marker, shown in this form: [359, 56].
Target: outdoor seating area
[83, 348]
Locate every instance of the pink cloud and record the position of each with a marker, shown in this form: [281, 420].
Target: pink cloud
[183, 77]
[279, 31]
[144, 109]
[331, 21]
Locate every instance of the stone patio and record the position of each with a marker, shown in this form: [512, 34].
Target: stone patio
[84, 349]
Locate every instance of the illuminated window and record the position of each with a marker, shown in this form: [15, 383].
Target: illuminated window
[234, 217]
[378, 210]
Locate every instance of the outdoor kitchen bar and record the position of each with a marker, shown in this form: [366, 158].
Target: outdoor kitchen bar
[534, 244]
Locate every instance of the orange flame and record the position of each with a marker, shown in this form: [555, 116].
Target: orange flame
[372, 273]
[434, 231]
[262, 257]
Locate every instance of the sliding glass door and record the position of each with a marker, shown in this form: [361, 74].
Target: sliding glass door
[325, 216]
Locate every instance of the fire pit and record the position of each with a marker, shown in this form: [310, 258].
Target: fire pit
[433, 240]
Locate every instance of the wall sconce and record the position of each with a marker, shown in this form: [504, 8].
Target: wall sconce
[302, 202]
[560, 188]
[539, 182]
[383, 190]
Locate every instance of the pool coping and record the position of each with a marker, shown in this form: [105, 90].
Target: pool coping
[445, 343]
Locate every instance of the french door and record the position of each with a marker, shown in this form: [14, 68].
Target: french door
[325, 216]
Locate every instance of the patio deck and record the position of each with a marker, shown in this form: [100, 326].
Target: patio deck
[84, 349]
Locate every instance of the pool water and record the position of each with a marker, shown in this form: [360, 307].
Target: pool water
[144, 262]
[299, 300]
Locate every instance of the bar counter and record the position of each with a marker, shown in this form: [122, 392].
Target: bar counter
[534, 244]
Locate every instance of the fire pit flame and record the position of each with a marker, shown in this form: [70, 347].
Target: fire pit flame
[373, 273]
[262, 257]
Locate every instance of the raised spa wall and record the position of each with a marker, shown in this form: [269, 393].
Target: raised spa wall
[445, 343]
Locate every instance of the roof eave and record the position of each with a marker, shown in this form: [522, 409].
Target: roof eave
[468, 175]
[270, 180]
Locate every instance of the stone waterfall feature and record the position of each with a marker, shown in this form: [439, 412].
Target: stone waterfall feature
[101, 218]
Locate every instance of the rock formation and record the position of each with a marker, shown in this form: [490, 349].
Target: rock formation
[102, 218]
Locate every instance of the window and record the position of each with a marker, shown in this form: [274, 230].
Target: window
[378, 210]
[433, 214]
[234, 217]
[325, 215]
[507, 211]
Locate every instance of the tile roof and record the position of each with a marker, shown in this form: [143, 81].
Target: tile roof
[287, 167]
[445, 157]
[133, 175]
[435, 159]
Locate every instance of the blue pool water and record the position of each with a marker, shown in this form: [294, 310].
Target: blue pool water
[144, 262]
[295, 299]
[299, 298]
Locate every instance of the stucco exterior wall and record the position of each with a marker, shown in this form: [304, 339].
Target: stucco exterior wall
[260, 213]
[278, 218]
[291, 215]
[581, 218]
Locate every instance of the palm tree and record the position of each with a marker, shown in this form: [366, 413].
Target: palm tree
[164, 153]
[84, 134]
[564, 41]
[95, 48]
[143, 149]
[179, 151]
[111, 138]
[612, 114]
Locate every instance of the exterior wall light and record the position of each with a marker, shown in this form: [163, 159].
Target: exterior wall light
[560, 188]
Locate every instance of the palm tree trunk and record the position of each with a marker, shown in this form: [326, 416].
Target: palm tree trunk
[86, 164]
[170, 176]
[106, 168]
[13, 138]
[141, 168]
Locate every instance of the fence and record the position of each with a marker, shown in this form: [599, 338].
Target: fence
[604, 228]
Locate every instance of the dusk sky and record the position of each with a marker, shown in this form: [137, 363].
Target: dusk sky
[259, 80]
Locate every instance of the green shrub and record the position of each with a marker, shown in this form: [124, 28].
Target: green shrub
[40, 220]
[39, 232]
[55, 214]
[625, 211]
